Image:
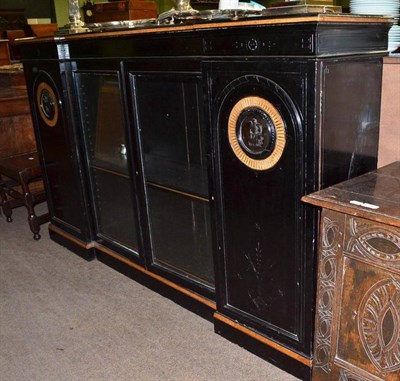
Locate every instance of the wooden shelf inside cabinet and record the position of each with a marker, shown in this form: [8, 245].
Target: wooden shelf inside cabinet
[177, 177]
[106, 166]
[177, 191]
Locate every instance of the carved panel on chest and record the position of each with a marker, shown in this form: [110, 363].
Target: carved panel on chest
[358, 302]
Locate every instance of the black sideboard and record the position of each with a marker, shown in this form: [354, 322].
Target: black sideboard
[178, 155]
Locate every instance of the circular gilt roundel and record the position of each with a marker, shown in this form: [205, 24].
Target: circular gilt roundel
[47, 104]
[256, 133]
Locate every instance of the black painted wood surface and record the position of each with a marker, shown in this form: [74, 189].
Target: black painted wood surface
[178, 206]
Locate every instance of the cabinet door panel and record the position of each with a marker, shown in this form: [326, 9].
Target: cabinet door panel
[103, 128]
[261, 214]
[171, 130]
[258, 130]
[113, 198]
[181, 234]
[57, 144]
[168, 110]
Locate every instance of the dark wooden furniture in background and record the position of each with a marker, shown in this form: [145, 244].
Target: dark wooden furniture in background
[21, 184]
[5, 58]
[30, 30]
[13, 25]
[119, 10]
[40, 30]
[12, 35]
[16, 130]
[11, 19]
[178, 155]
[357, 333]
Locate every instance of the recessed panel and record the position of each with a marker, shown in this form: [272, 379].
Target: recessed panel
[260, 158]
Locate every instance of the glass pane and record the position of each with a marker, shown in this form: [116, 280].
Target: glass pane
[103, 127]
[173, 141]
[175, 169]
[113, 203]
[102, 117]
[181, 235]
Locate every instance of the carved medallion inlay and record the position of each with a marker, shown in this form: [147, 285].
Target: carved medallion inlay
[46, 101]
[379, 324]
[256, 133]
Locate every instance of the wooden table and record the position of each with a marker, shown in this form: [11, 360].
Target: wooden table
[357, 334]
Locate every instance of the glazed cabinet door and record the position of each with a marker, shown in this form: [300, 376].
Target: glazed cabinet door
[103, 127]
[167, 108]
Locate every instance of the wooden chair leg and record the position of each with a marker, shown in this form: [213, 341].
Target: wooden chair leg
[22, 171]
[5, 203]
[29, 204]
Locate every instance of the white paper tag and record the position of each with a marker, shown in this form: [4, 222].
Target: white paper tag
[364, 204]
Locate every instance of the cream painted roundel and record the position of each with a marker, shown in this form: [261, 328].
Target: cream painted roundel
[256, 133]
[46, 101]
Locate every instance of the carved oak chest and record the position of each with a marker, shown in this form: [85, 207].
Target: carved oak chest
[357, 334]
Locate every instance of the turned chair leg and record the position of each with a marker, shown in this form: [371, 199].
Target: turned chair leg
[7, 211]
[29, 204]
[22, 171]
[5, 204]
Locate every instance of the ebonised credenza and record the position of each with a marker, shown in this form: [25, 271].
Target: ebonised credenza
[178, 155]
